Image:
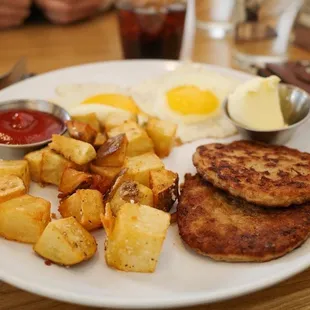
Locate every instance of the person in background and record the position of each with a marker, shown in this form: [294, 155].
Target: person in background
[14, 12]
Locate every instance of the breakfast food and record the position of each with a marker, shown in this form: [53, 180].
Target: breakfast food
[263, 174]
[19, 168]
[24, 218]
[11, 186]
[101, 99]
[66, 242]
[163, 134]
[34, 160]
[53, 166]
[190, 97]
[97, 171]
[138, 140]
[139, 167]
[256, 104]
[130, 191]
[85, 205]
[223, 227]
[77, 151]
[165, 186]
[135, 237]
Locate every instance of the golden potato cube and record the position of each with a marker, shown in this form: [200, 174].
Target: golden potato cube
[116, 119]
[136, 239]
[11, 186]
[53, 166]
[138, 140]
[90, 119]
[133, 192]
[106, 172]
[113, 152]
[139, 167]
[100, 139]
[74, 150]
[34, 160]
[85, 206]
[81, 131]
[66, 242]
[19, 168]
[162, 134]
[24, 218]
[165, 187]
[71, 180]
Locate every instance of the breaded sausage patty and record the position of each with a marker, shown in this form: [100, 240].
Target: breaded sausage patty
[223, 227]
[263, 174]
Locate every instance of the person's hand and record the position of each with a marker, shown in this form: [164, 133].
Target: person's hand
[67, 11]
[13, 12]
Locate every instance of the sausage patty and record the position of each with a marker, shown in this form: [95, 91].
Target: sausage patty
[223, 227]
[263, 174]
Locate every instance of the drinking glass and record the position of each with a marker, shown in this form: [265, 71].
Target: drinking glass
[217, 17]
[263, 31]
[151, 28]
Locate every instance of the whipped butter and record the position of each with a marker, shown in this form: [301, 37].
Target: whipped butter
[256, 104]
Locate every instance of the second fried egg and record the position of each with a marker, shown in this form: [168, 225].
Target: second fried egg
[192, 98]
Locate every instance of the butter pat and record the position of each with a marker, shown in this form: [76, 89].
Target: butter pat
[256, 104]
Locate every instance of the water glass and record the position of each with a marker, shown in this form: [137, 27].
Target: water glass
[263, 31]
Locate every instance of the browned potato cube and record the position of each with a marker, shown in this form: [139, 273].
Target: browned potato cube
[34, 160]
[135, 240]
[106, 172]
[66, 242]
[90, 119]
[74, 150]
[133, 192]
[139, 167]
[24, 218]
[116, 119]
[19, 168]
[81, 131]
[138, 140]
[113, 152]
[85, 206]
[11, 186]
[53, 166]
[71, 180]
[163, 135]
[100, 139]
[165, 187]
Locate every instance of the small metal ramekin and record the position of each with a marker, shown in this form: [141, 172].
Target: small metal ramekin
[295, 106]
[17, 151]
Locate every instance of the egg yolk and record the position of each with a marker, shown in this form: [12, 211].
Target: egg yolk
[114, 100]
[187, 100]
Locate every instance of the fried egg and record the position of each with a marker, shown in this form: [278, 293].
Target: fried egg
[191, 96]
[102, 99]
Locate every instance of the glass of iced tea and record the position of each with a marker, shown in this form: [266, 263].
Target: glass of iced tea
[151, 28]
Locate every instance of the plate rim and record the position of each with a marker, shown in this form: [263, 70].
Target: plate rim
[195, 298]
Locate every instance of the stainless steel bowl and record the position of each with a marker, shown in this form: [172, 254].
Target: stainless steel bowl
[17, 151]
[295, 106]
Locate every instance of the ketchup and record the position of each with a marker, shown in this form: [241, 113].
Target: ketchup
[27, 126]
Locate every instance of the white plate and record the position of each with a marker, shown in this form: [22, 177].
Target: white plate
[182, 277]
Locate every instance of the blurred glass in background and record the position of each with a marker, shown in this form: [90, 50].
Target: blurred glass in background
[216, 17]
[151, 28]
[264, 31]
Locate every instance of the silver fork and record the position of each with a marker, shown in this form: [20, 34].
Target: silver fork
[17, 73]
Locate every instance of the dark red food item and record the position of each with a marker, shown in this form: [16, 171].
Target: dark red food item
[147, 34]
[27, 126]
[48, 262]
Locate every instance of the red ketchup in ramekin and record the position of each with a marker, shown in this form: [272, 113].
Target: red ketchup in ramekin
[21, 126]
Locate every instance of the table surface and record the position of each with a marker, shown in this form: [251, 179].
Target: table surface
[48, 47]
